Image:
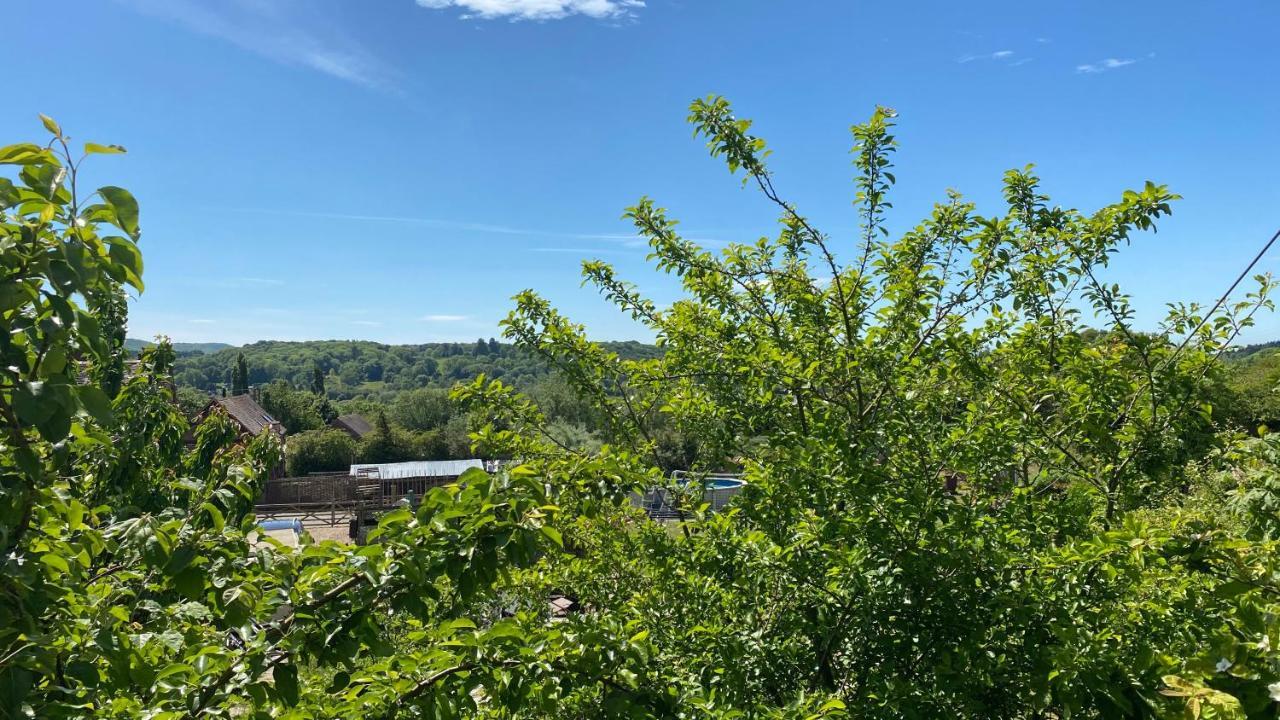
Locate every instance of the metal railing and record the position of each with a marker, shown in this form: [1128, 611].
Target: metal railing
[333, 497]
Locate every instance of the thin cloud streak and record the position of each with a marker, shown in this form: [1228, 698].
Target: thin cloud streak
[440, 223]
[626, 240]
[231, 283]
[1003, 56]
[1104, 65]
[262, 29]
[578, 251]
[445, 318]
[537, 9]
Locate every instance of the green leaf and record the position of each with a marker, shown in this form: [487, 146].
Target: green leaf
[9, 195]
[127, 255]
[55, 361]
[215, 516]
[50, 125]
[29, 462]
[91, 148]
[33, 402]
[75, 515]
[554, 534]
[190, 583]
[341, 680]
[23, 154]
[286, 678]
[95, 402]
[180, 560]
[125, 207]
[174, 669]
[55, 561]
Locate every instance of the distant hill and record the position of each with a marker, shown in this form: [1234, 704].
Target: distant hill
[134, 345]
[359, 368]
[1248, 350]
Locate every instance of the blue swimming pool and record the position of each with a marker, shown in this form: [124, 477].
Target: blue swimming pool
[724, 483]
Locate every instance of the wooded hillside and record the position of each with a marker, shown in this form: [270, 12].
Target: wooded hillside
[357, 368]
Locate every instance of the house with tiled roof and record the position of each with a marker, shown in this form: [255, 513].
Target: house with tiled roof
[354, 425]
[248, 415]
[245, 412]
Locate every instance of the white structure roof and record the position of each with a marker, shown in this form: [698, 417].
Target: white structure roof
[416, 469]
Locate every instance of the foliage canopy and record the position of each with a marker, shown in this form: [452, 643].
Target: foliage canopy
[959, 504]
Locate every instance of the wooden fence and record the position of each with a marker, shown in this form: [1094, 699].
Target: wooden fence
[331, 497]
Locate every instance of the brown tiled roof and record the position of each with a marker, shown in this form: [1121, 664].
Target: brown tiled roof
[354, 424]
[248, 414]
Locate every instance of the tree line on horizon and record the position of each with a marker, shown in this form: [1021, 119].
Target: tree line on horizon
[414, 418]
[359, 368]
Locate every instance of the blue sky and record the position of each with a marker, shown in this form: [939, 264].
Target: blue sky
[397, 170]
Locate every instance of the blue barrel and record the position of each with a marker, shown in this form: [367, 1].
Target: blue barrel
[294, 525]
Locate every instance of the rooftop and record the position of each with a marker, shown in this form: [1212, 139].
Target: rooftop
[248, 413]
[354, 424]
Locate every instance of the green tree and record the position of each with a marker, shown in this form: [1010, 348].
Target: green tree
[561, 401]
[317, 380]
[191, 401]
[112, 310]
[298, 411]
[240, 376]
[958, 503]
[132, 584]
[386, 444]
[1255, 384]
[319, 450]
[423, 409]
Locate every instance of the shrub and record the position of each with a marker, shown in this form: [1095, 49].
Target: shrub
[322, 450]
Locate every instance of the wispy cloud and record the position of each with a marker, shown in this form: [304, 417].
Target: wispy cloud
[1005, 57]
[202, 321]
[1104, 65]
[440, 223]
[367, 323]
[230, 283]
[537, 9]
[267, 28]
[1108, 64]
[626, 240]
[274, 282]
[445, 318]
[579, 251]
